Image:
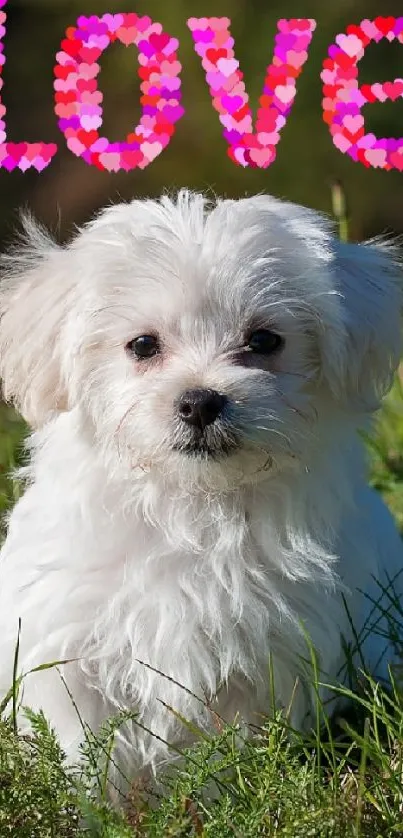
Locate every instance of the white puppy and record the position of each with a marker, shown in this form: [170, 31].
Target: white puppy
[197, 502]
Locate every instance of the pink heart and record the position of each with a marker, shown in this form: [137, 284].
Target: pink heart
[39, 164]
[268, 139]
[239, 154]
[101, 144]
[341, 142]
[369, 28]
[65, 111]
[98, 41]
[171, 68]
[111, 160]
[285, 93]
[367, 141]
[89, 71]
[227, 66]
[376, 157]
[378, 91]
[215, 79]
[127, 35]
[89, 97]
[245, 125]
[62, 86]
[90, 122]
[296, 59]
[24, 164]
[113, 22]
[327, 76]
[171, 47]
[151, 150]
[353, 123]
[263, 157]
[63, 58]
[350, 44]
[75, 146]
[33, 150]
[226, 120]
[222, 39]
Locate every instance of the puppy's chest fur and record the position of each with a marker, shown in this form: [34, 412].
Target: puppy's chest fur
[184, 594]
[195, 601]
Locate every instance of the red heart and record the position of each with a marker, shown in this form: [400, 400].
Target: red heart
[393, 89]
[95, 161]
[48, 151]
[384, 24]
[330, 90]
[87, 84]
[131, 19]
[248, 159]
[294, 72]
[344, 61]
[244, 111]
[266, 120]
[87, 138]
[159, 41]
[368, 93]
[362, 158]
[299, 23]
[131, 159]
[164, 128]
[65, 98]
[152, 101]
[71, 47]
[90, 54]
[277, 73]
[328, 117]
[214, 54]
[396, 158]
[354, 137]
[63, 71]
[353, 29]
[251, 141]
[271, 82]
[145, 72]
[17, 150]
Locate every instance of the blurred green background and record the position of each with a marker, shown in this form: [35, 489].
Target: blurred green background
[69, 190]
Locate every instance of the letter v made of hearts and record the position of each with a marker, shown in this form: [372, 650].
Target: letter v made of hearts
[214, 44]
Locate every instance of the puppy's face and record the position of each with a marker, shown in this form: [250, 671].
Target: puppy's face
[203, 340]
[206, 341]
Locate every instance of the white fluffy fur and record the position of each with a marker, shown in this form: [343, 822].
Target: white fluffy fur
[123, 552]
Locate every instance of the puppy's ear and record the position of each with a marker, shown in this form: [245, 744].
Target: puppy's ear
[362, 351]
[35, 300]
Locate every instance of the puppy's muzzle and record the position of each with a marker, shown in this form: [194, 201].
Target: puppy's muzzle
[200, 408]
[203, 425]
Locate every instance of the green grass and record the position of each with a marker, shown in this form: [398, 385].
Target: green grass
[345, 781]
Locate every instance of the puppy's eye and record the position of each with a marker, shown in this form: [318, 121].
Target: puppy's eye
[144, 346]
[264, 342]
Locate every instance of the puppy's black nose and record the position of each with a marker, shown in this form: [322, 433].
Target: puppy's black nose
[201, 407]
